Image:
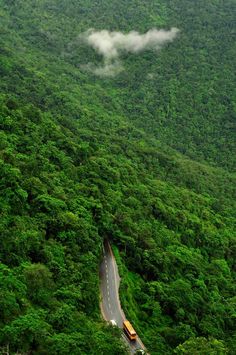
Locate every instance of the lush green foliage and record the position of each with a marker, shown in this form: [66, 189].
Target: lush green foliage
[84, 158]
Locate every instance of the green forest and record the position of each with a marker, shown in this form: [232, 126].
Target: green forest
[145, 159]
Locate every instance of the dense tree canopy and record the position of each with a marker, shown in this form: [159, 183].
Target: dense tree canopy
[145, 159]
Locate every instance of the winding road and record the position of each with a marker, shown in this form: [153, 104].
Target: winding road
[110, 303]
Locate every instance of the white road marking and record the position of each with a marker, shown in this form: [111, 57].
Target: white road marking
[112, 272]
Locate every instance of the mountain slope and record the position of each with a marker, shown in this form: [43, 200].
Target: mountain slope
[144, 159]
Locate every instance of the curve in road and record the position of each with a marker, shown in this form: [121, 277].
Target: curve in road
[110, 302]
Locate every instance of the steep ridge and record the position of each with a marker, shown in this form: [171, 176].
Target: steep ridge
[84, 158]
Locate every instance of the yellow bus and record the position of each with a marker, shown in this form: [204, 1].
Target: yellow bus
[129, 330]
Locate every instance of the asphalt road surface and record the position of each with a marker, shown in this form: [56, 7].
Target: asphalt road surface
[110, 303]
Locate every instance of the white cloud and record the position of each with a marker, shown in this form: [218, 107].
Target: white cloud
[112, 44]
[109, 69]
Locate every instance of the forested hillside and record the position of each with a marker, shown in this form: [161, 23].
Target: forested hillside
[145, 158]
